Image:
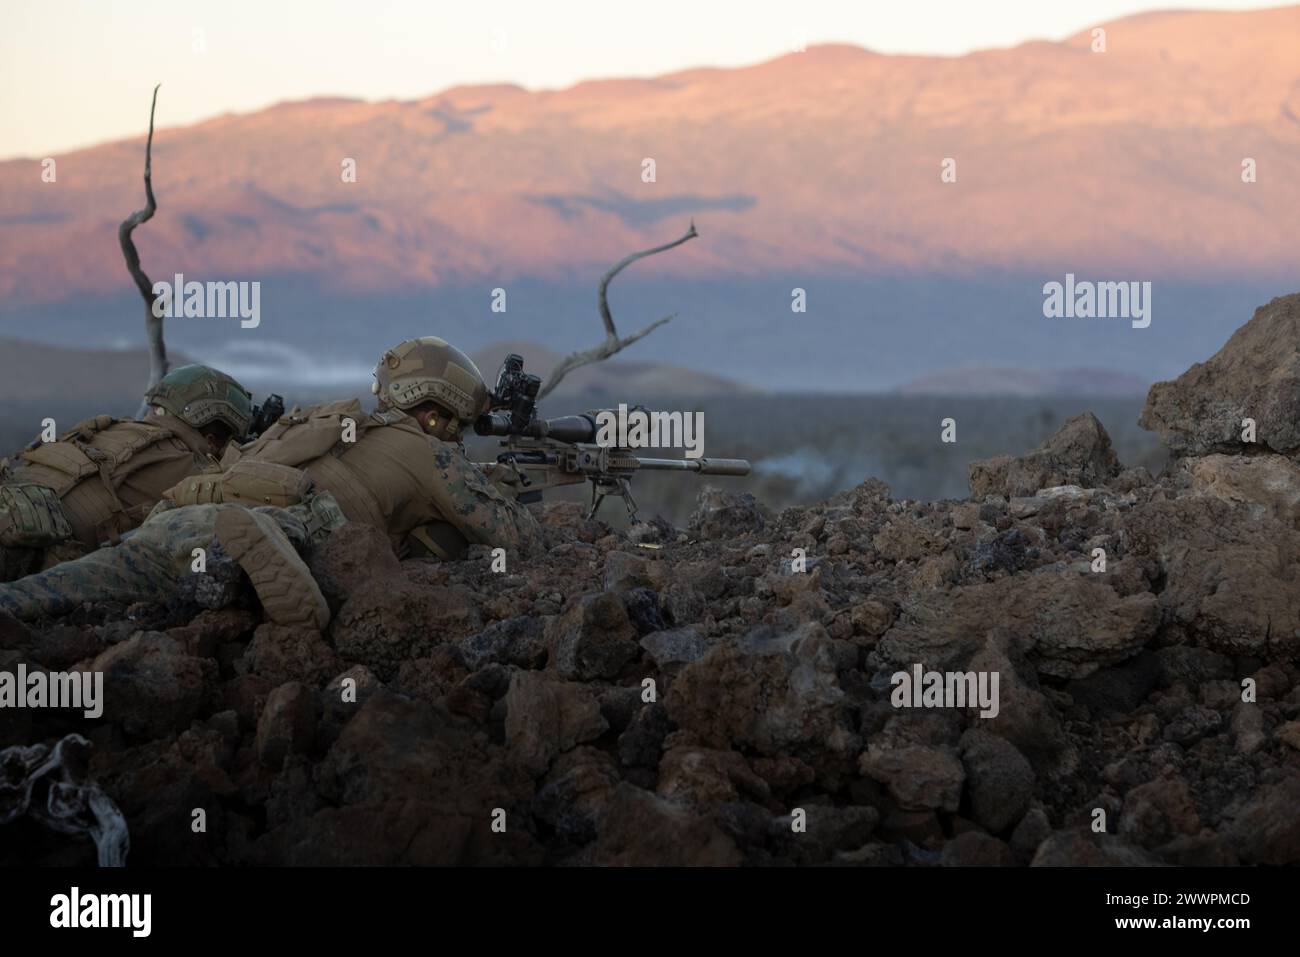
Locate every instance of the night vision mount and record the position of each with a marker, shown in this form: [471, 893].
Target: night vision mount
[513, 401]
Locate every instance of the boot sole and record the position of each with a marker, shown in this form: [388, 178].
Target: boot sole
[289, 595]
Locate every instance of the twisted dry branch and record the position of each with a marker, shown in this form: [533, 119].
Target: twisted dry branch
[153, 324]
[613, 342]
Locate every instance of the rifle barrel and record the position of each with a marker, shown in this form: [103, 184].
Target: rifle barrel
[703, 466]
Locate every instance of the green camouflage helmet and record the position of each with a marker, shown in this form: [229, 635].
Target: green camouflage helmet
[199, 395]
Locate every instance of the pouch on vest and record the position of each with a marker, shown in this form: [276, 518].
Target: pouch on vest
[254, 482]
[31, 516]
[101, 446]
[247, 482]
[298, 438]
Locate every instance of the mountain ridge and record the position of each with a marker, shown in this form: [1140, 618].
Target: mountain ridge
[826, 162]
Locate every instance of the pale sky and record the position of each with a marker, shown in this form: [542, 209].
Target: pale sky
[78, 72]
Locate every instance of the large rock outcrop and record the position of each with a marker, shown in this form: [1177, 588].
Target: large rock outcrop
[1256, 375]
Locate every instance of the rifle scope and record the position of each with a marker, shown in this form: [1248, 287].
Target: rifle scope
[566, 428]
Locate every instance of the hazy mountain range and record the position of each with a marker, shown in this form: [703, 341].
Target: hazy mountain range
[818, 170]
[102, 380]
[90, 381]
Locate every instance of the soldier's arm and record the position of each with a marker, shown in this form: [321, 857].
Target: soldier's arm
[477, 509]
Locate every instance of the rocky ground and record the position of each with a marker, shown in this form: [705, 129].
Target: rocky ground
[702, 696]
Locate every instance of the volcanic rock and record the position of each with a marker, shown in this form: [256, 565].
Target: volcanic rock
[1256, 375]
[1079, 453]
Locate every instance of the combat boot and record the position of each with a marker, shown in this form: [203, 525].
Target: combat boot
[289, 595]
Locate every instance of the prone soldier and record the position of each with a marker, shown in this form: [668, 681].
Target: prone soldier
[62, 499]
[401, 469]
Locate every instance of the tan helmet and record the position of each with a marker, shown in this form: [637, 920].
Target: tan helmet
[429, 369]
[199, 395]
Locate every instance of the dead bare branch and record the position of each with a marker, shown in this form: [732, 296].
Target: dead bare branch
[153, 324]
[613, 342]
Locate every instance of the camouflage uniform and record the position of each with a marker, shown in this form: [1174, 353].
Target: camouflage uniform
[98, 480]
[56, 502]
[423, 492]
[153, 562]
